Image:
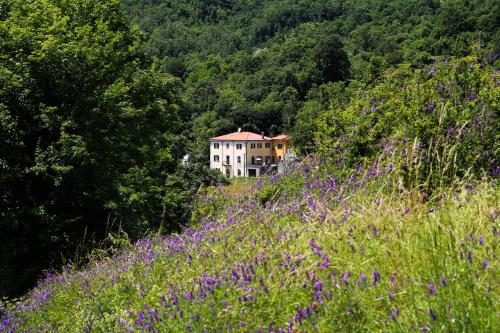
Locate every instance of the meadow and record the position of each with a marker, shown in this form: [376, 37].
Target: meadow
[305, 251]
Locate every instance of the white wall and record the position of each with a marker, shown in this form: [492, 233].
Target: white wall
[213, 151]
[228, 148]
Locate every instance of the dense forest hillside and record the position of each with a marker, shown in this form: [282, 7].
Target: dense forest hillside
[272, 65]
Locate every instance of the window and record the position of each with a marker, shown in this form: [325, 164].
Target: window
[268, 159]
[227, 159]
[238, 158]
[216, 145]
[259, 145]
[239, 172]
[253, 160]
[216, 158]
[228, 173]
[268, 144]
[238, 146]
[280, 146]
[252, 145]
[227, 145]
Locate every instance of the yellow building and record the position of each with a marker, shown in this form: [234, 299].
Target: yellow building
[281, 145]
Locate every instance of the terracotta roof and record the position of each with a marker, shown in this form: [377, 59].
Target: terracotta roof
[281, 137]
[241, 136]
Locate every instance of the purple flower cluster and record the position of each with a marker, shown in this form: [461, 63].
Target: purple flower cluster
[231, 264]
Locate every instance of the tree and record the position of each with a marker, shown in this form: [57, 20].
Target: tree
[88, 132]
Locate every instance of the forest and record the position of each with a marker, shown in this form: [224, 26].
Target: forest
[99, 100]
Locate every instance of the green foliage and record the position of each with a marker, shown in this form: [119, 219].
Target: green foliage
[92, 128]
[268, 195]
[449, 108]
[258, 65]
[88, 131]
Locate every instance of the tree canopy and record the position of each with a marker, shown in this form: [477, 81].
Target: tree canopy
[89, 133]
[259, 65]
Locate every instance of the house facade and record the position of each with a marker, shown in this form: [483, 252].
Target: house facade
[246, 154]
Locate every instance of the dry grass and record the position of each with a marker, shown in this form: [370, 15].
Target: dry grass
[239, 187]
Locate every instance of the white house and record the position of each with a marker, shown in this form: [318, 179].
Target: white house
[245, 154]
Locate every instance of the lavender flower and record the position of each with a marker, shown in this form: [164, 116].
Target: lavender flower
[443, 281]
[319, 285]
[432, 288]
[315, 247]
[376, 277]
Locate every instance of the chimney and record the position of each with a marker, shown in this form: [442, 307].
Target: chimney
[262, 135]
[239, 129]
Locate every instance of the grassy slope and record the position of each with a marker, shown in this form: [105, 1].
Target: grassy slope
[319, 256]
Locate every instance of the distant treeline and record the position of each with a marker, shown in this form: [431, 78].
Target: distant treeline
[274, 65]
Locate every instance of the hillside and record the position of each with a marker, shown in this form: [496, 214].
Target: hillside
[304, 251]
[272, 65]
[387, 220]
[101, 99]
[392, 225]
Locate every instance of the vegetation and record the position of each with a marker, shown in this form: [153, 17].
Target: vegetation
[326, 255]
[274, 65]
[399, 239]
[389, 99]
[427, 109]
[90, 132]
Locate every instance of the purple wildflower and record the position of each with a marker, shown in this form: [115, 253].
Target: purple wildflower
[362, 276]
[315, 247]
[317, 295]
[319, 285]
[432, 288]
[307, 312]
[485, 264]
[326, 262]
[345, 277]
[376, 277]
[299, 316]
[443, 281]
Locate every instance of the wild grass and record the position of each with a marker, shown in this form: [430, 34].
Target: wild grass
[302, 252]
